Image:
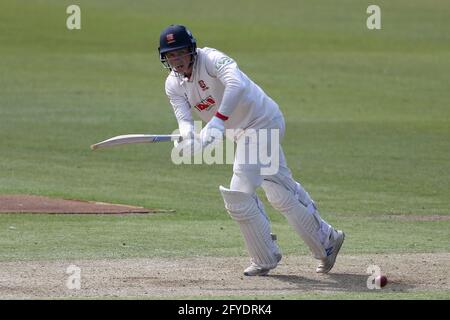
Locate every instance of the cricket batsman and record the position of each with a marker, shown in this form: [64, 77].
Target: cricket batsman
[210, 84]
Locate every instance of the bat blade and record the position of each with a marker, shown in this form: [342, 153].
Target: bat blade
[134, 138]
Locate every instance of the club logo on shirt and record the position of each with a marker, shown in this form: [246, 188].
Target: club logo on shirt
[222, 62]
[203, 85]
[206, 104]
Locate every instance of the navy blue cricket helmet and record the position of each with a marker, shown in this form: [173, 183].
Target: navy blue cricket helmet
[176, 37]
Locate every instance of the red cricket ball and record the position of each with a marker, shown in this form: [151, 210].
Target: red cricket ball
[381, 281]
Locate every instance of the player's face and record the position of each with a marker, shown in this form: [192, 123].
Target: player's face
[180, 60]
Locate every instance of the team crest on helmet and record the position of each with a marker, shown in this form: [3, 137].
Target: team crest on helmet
[170, 38]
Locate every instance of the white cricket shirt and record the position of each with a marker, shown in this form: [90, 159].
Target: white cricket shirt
[217, 84]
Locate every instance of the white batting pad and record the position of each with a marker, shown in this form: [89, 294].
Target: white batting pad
[249, 213]
[307, 225]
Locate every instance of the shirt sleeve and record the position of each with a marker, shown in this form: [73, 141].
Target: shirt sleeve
[181, 108]
[227, 71]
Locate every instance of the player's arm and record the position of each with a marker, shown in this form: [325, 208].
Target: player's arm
[181, 109]
[227, 71]
[189, 144]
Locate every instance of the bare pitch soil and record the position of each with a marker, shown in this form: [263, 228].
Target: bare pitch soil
[202, 276]
[214, 276]
[40, 204]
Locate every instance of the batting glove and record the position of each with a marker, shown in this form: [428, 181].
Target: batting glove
[213, 132]
[188, 147]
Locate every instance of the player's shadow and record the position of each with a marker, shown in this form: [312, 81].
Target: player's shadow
[334, 282]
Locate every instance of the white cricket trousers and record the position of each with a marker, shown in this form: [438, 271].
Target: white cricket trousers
[248, 175]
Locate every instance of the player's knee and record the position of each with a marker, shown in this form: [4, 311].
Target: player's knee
[242, 183]
[240, 205]
[279, 197]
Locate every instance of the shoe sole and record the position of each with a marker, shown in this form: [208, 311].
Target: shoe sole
[263, 272]
[338, 247]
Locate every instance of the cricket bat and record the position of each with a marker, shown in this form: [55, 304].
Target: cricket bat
[134, 138]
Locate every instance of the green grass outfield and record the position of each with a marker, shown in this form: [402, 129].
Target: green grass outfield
[367, 115]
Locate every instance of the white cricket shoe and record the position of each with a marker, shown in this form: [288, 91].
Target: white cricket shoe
[332, 251]
[255, 270]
